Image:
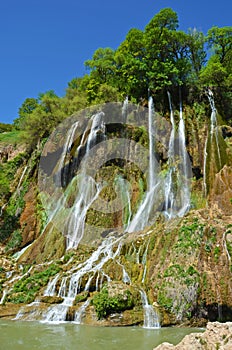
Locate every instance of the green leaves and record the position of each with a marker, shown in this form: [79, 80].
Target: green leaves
[220, 41]
[105, 304]
[214, 73]
[159, 58]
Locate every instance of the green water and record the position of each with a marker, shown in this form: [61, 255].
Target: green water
[17, 335]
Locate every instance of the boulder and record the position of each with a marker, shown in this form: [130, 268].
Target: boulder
[217, 336]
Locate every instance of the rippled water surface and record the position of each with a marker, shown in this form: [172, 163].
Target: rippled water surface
[15, 335]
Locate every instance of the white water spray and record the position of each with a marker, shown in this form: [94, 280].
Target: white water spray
[142, 216]
[183, 168]
[151, 318]
[168, 185]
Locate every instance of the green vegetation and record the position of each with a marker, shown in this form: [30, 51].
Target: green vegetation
[26, 289]
[5, 127]
[13, 137]
[158, 58]
[189, 236]
[15, 240]
[10, 225]
[105, 304]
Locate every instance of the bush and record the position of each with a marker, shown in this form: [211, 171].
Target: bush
[105, 305]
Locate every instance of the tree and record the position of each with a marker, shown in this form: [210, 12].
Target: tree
[38, 117]
[166, 19]
[197, 53]
[159, 35]
[28, 106]
[131, 65]
[214, 74]
[220, 41]
[102, 65]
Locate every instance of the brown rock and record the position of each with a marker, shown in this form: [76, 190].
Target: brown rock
[221, 193]
[51, 299]
[9, 311]
[217, 336]
[28, 218]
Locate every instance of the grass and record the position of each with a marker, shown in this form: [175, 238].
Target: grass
[12, 137]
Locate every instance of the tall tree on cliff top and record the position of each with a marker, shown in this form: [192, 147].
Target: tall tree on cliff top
[158, 37]
[218, 71]
[131, 71]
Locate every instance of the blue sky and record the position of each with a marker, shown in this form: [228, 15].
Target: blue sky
[44, 43]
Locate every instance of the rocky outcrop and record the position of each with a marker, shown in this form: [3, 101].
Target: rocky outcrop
[221, 194]
[217, 336]
[184, 265]
[8, 152]
[49, 245]
[28, 220]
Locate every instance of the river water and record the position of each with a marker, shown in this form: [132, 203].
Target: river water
[18, 335]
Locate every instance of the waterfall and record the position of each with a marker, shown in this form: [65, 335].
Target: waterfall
[78, 191]
[214, 124]
[125, 276]
[50, 290]
[168, 185]
[211, 149]
[80, 313]
[84, 198]
[151, 318]
[21, 179]
[142, 216]
[144, 261]
[152, 177]
[69, 288]
[183, 166]
[205, 166]
[176, 184]
[66, 149]
[122, 186]
[77, 215]
[124, 109]
[74, 223]
[4, 294]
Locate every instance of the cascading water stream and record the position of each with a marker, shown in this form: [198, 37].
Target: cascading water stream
[176, 184]
[21, 179]
[77, 215]
[84, 191]
[151, 318]
[122, 186]
[84, 199]
[80, 313]
[141, 218]
[92, 267]
[212, 141]
[144, 261]
[152, 169]
[183, 168]
[66, 149]
[214, 124]
[168, 185]
[124, 110]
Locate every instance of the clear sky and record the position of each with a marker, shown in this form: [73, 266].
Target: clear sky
[44, 43]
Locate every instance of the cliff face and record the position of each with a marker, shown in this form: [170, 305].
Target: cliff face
[183, 264]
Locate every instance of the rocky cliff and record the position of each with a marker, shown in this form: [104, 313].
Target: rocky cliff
[183, 264]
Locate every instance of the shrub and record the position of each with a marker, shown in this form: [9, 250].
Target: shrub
[105, 305]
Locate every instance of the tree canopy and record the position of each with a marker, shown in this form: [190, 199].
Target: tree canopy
[159, 58]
